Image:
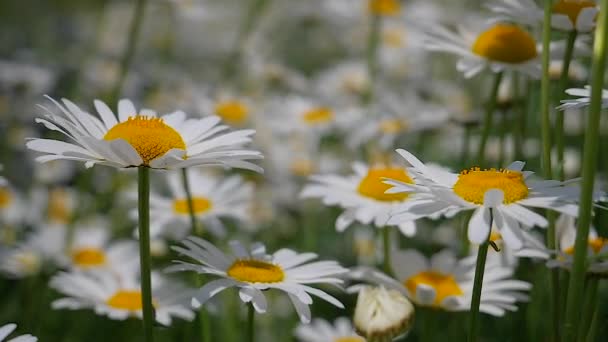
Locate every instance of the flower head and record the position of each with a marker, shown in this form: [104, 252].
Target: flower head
[382, 313]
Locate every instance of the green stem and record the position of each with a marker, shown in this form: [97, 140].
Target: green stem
[250, 323]
[127, 58]
[186, 185]
[577, 276]
[519, 119]
[501, 137]
[373, 40]
[489, 115]
[386, 250]
[144, 250]
[588, 307]
[480, 267]
[591, 334]
[466, 144]
[559, 118]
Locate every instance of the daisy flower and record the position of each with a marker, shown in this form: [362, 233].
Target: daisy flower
[446, 283]
[382, 314]
[232, 109]
[583, 100]
[321, 330]
[384, 7]
[12, 206]
[91, 249]
[253, 271]
[213, 198]
[302, 115]
[362, 196]
[500, 47]
[119, 297]
[501, 196]
[7, 329]
[141, 139]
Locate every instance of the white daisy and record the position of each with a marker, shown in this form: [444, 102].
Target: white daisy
[142, 139]
[119, 297]
[362, 196]
[382, 314]
[253, 271]
[344, 83]
[232, 109]
[584, 98]
[499, 47]
[213, 198]
[54, 205]
[7, 329]
[320, 330]
[12, 205]
[502, 196]
[384, 7]
[444, 282]
[297, 114]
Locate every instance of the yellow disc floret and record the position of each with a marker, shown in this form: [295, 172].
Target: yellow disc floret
[373, 186]
[444, 284]
[232, 111]
[6, 197]
[384, 7]
[199, 205]
[126, 300]
[349, 339]
[571, 8]
[58, 207]
[472, 185]
[596, 245]
[149, 136]
[255, 271]
[318, 116]
[392, 126]
[88, 257]
[505, 43]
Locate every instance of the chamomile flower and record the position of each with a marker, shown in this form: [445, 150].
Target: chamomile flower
[12, 204]
[320, 330]
[253, 271]
[213, 198]
[445, 282]
[142, 139]
[297, 114]
[91, 249]
[119, 297]
[500, 47]
[584, 98]
[384, 7]
[233, 109]
[7, 329]
[382, 314]
[362, 195]
[501, 196]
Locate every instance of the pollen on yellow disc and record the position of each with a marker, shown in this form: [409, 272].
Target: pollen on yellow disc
[444, 284]
[505, 43]
[384, 7]
[391, 126]
[349, 339]
[495, 236]
[571, 8]
[318, 116]
[199, 204]
[58, 210]
[149, 136]
[596, 245]
[255, 271]
[88, 257]
[6, 197]
[373, 186]
[232, 111]
[472, 185]
[126, 300]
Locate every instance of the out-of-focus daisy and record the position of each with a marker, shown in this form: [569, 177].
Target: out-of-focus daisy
[597, 247]
[444, 282]
[300, 114]
[213, 198]
[584, 98]
[41, 248]
[320, 330]
[142, 139]
[499, 47]
[91, 249]
[382, 314]
[12, 205]
[344, 83]
[567, 15]
[501, 196]
[54, 172]
[253, 271]
[54, 205]
[7, 329]
[362, 195]
[119, 297]
[384, 7]
[233, 109]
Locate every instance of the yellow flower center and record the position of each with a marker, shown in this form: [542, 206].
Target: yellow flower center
[391, 126]
[571, 8]
[505, 43]
[199, 205]
[495, 236]
[255, 271]
[6, 197]
[58, 210]
[233, 112]
[318, 116]
[393, 37]
[127, 300]
[88, 257]
[302, 167]
[384, 7]
[472, 185]
[349, 339]
[444, 284]
[149, 136]
[596, 245]
[372, 185]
